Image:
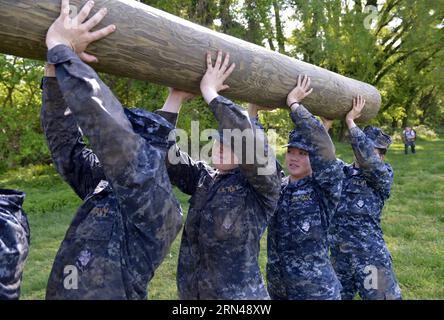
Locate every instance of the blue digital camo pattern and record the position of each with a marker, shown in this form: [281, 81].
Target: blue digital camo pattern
[130, 216]
[280, 170]
[14, 243]
[377, 137]
[227, 217]
[299, 266]
[297, 139]
[359, 254]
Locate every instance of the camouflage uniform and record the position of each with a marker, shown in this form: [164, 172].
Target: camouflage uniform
[129, 216]
[280, 170]
[359, 254]
[299, 266]
[14, 243]
[227, 217]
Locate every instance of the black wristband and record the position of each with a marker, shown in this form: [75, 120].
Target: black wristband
[291, 105]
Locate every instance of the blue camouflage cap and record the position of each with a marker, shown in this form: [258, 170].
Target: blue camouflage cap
[380, 139]
[150, 126]
[297, 140]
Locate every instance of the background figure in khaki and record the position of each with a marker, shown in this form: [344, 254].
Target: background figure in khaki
[409, 139]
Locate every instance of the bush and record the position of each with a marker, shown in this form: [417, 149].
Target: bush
[425, 132]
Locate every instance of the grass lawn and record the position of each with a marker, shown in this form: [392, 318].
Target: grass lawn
[413, 222]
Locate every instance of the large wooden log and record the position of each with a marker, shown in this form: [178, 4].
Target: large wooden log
[155, 46]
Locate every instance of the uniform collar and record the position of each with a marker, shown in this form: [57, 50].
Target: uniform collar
[295, 184]
[218, 175]
[150, 126]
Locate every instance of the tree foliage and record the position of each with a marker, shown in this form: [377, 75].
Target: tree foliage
[396, 45]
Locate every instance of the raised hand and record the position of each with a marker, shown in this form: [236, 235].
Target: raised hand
[215, 76]
[76, 33]
[355, 112]
[301, 90]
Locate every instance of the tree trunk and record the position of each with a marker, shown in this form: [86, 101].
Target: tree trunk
[155, 46]
[201, 11]
[279, 33]
[225, 16]
[253, 34]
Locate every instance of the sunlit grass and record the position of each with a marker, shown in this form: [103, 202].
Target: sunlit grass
[413, 222]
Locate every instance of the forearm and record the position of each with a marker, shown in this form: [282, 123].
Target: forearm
[77, 165]
[350, 124]
[171, 117]
[377, 173]
[327, 124]
[172, 104]
[229, 115]
[258, 125]
[209, 94]
[59, 127]
[253, 111]
[234, 120]
[96, 110]
[317, 136]
[257, 161]
[183, 171]
[364, 150]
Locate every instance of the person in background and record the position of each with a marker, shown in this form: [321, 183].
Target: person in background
[14, 243]
[409, 139]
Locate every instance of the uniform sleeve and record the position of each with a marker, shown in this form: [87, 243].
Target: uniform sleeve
[280, 170]
[77, 164]
[259, 166]
[327, 170]
[134, 167]
[378, 174]
[183, 171]
[98, 113]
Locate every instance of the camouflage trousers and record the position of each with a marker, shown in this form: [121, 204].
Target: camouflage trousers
[303, 280]
[14, 243]
[368, 272]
